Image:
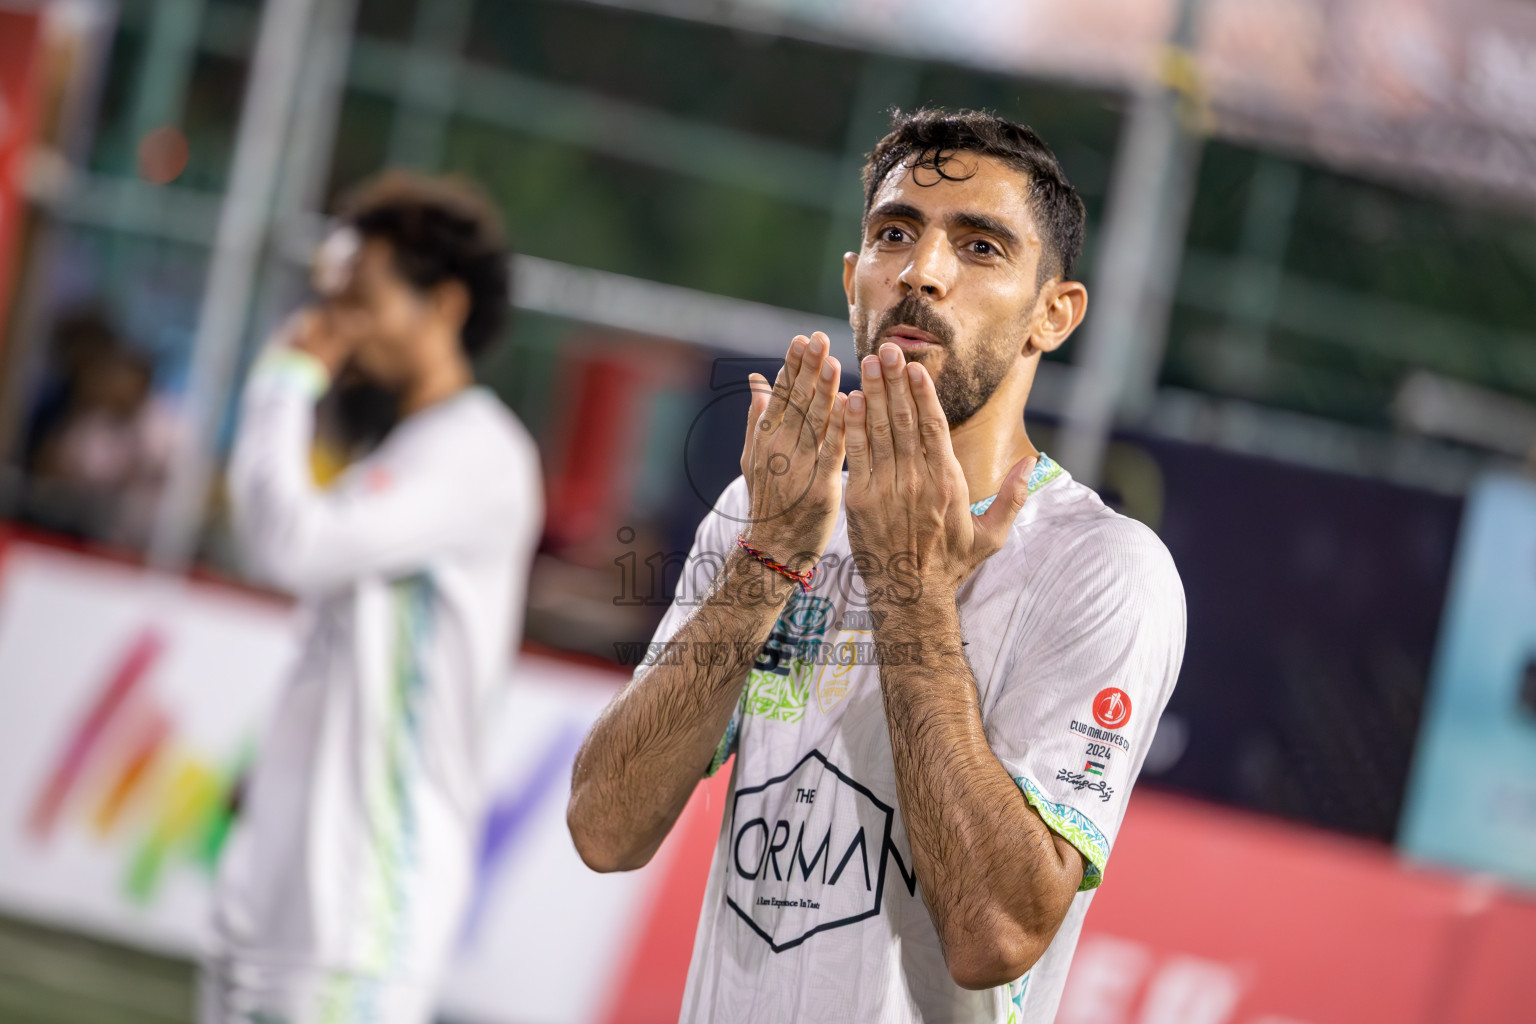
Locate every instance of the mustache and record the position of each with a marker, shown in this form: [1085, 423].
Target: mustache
[914, 312]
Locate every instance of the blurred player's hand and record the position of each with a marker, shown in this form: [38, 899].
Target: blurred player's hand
[329, 332]
[792, 456]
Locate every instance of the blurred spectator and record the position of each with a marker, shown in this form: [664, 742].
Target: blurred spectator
[100, 441]
[81, 338]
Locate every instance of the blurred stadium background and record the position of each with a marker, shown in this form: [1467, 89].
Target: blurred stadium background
[1310, 364]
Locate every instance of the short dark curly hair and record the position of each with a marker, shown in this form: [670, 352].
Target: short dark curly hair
[929, 138]
[440, 229]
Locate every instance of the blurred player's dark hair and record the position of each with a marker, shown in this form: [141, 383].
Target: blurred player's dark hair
[441, 229]
[930, 139]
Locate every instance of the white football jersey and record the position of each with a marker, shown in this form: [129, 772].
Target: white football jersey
[1074, 631]
[340, 892]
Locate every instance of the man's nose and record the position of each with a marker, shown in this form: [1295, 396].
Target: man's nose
[931, 268]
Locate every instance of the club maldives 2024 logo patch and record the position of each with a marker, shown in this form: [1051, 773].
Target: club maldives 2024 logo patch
[810, 851]
[1112, 707]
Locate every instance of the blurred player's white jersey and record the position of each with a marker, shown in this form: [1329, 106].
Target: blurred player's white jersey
[341, 890]
[1074, 631]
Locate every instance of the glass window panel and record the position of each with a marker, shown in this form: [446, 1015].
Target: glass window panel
[386, 19]
[212, 120]
[362, 142]
[567, 204]
[782, 88]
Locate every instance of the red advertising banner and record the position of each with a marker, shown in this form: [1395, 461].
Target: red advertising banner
[20, 36]
[1213, 916]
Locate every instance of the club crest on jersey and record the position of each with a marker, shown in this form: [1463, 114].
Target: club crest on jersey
[835, 679]
[1112, 707]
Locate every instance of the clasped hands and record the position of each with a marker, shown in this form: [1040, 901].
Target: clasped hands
[908, 502]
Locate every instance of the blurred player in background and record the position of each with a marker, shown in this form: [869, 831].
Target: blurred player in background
[935, 734]
[340, 893]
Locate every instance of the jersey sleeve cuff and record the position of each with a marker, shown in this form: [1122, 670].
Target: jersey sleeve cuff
[288, 369]
[1073, 826]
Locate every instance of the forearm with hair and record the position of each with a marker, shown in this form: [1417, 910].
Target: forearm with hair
[651, 745]
[995, 879]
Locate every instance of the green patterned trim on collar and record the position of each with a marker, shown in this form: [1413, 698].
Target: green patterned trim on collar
[1045, 471]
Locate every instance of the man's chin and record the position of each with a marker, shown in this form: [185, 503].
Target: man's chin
[930, 357]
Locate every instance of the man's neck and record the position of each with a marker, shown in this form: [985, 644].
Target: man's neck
[987, 445]
[436, 383]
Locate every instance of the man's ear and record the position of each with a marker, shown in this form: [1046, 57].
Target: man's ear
[850, 264]
[451, 300]
[1063, 304]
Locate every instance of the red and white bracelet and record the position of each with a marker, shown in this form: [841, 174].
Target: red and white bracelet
[802, 578]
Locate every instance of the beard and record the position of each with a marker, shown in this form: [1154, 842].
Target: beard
[362, 410]
[967, 380]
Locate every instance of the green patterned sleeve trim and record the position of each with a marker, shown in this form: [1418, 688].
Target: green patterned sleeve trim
[723, 751]
[289, 367]
[1073, 826]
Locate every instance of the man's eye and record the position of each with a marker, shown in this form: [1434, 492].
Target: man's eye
[983, 248]
[892, 234]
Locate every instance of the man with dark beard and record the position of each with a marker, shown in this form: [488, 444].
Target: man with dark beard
[941, 670]
[341, 890]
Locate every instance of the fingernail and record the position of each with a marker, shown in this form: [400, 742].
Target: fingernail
[871, 366]
[828, 371]
[914, 373]
[818, 346]
[890, 355]
[856, 401]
